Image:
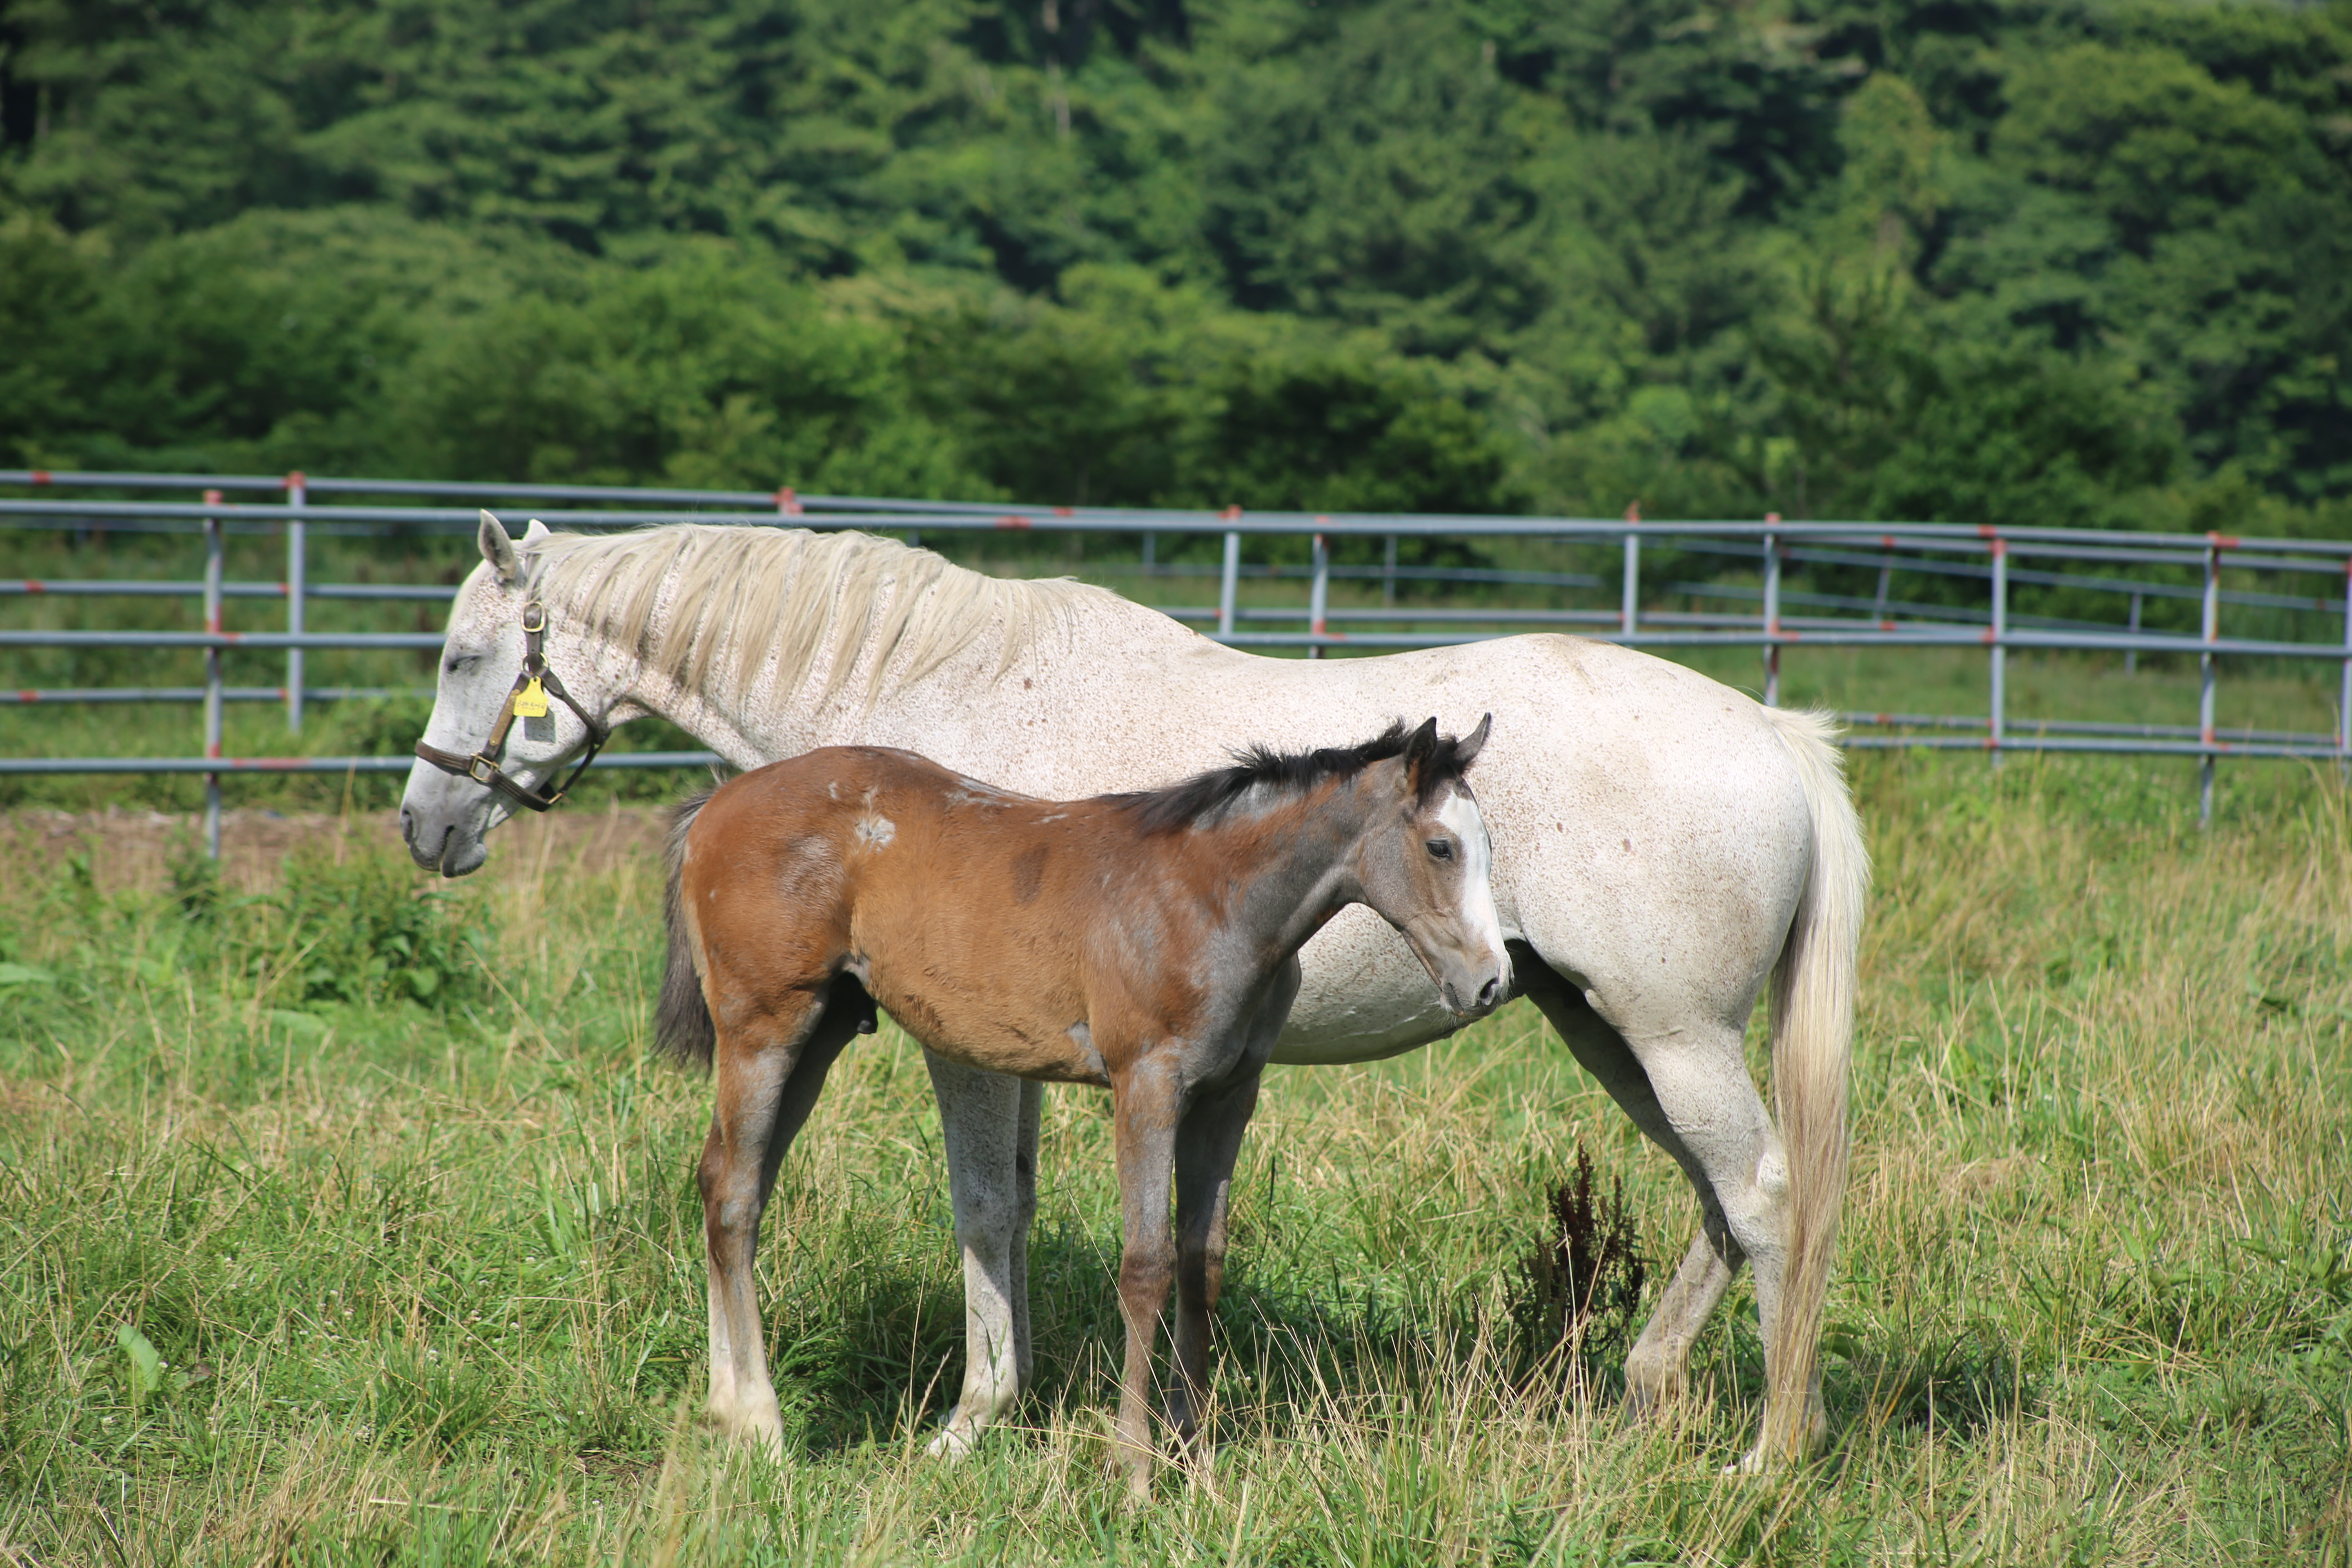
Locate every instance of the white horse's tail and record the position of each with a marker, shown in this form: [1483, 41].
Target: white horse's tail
[1812, 1035]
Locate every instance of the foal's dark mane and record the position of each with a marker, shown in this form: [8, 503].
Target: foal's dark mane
[1182, 805]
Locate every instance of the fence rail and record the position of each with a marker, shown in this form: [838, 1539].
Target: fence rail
[1974, 554]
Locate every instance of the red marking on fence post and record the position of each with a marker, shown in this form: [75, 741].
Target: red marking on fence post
[40, 476]
[788, 504]
[1014, 519]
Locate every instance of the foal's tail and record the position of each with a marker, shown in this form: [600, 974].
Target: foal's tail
[1812, 1035]
[682, 1024]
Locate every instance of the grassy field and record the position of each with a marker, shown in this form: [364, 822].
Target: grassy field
[346, 1221]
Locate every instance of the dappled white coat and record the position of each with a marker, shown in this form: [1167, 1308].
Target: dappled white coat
[1661, 841]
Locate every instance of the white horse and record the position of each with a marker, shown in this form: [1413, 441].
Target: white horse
[1664, 847]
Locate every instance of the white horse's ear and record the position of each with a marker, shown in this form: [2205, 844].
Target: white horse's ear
[536, 531]
[497, 549]
[1466, 751]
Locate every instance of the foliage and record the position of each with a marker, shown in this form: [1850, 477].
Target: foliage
[358, 929]
[2078, 263]
[1580, 1285]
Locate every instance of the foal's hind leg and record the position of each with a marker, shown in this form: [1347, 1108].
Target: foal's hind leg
[769, 1074]
[1656, 1367]
[989, 1124]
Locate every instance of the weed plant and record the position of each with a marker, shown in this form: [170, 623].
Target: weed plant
[352, 1222]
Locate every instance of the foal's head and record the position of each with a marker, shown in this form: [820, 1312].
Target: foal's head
[1420, 858]
[1426, 870]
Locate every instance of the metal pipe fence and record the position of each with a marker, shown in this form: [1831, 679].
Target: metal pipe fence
[1946, 553]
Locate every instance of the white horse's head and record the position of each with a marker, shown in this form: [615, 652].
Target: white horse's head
[443, 815]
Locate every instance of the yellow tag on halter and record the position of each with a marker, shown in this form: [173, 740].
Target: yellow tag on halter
[531, 702]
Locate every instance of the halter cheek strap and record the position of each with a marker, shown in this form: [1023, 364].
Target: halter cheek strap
[482, 767]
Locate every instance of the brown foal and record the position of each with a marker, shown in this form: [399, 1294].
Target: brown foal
[1145, 942]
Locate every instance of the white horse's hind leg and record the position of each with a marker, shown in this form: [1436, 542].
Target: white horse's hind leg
[1655, 1367]
[1701, 1081]
[989, 1124]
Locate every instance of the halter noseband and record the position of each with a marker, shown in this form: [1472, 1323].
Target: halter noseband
[533, 688]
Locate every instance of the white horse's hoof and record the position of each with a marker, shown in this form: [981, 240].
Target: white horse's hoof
[953, 1442]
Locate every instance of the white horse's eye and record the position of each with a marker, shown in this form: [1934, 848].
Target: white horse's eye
[460, 663]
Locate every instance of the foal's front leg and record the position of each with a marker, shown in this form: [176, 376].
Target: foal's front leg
[1207, 1145]
[1146, 1100]
[769, 1074]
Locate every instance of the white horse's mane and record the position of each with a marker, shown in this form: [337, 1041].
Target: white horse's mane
[799, 597]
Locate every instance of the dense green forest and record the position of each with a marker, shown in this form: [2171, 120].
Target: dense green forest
[2025, 260]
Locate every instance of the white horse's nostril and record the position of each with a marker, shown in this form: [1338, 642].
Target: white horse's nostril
[1486, 992]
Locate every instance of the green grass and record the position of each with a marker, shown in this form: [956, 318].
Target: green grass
[340, 1225]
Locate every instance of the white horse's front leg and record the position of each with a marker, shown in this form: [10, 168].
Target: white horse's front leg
[989, 1124]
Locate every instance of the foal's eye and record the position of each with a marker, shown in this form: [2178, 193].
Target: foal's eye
[1441, 850]
[460, 663]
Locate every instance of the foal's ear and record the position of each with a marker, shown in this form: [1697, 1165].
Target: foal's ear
[1466, 750]
[1419, 747]
[497, 549]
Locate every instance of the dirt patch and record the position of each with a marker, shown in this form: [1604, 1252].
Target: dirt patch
[132, 849]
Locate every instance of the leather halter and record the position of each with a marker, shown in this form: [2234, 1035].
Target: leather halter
[482, 767]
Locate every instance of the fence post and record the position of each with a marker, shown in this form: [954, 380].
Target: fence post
[212, 675]
[298, 572]
[2131, 654]
[1631, 608]
[1150, 553]
[1388, 573]
[1318, 593]
[1232, 578]
[2344, 699]
[1997, 721]
[1771, 614]
[2205, 684]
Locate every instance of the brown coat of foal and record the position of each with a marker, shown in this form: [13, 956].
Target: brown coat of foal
[1147, 942]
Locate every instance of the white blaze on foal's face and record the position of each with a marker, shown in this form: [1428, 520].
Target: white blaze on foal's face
[1462, 817]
